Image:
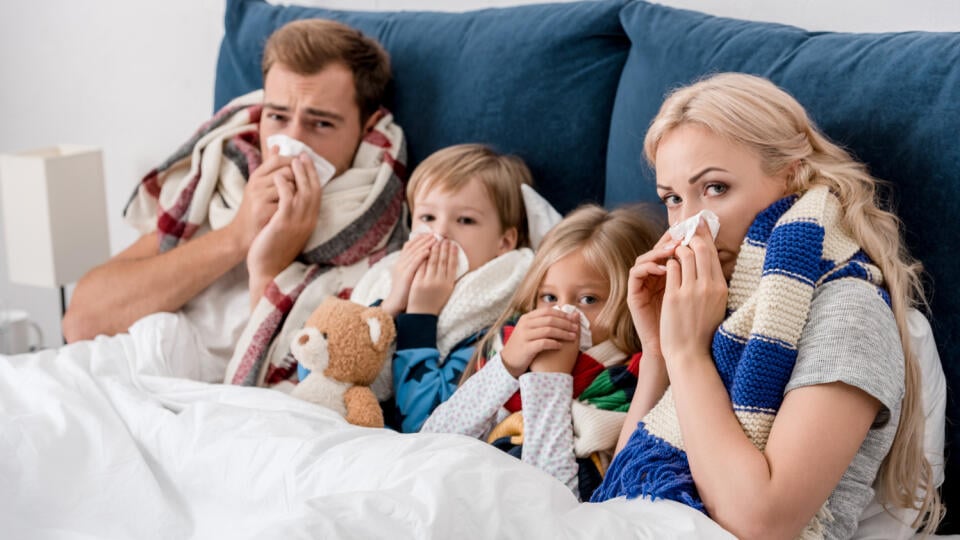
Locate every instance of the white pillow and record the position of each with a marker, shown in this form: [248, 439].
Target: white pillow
[875, 522]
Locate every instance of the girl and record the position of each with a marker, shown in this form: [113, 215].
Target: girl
[538, 360]
[809, 283]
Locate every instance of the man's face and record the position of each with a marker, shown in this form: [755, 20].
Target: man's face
[319, 110]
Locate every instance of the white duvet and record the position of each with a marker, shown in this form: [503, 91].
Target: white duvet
[107, 439]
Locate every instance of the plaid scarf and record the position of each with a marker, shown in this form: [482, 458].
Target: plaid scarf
[792, 247]
[201, 185]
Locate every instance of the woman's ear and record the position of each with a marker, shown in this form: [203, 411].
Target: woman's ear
[508, 241]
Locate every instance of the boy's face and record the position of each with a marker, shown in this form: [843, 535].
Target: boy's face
[466, 216]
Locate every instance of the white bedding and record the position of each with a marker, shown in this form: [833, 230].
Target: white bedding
[106, 439]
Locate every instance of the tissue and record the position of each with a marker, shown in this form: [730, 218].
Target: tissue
[685, 230]
[292, 147]
[463, 264]
[586, 340]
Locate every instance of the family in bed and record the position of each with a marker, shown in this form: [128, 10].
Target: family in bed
[621, 359]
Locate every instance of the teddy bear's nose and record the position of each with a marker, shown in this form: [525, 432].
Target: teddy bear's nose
[303, 339]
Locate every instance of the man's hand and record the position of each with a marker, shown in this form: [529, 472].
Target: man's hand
[434, 280]
[288, 229]
[260, 199]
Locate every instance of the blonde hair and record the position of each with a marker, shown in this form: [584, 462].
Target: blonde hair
[307, 46]
[610, 242]
[753, 112]
[451, 168]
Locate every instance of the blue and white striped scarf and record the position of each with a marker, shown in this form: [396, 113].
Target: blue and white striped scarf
[792, 247]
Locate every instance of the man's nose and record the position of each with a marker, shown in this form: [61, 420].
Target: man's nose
[295, 130]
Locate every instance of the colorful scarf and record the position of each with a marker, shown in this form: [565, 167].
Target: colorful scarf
[792, 247]
[604, 380]
[201, 185]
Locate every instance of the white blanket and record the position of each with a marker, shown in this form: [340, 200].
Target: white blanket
[106, 439]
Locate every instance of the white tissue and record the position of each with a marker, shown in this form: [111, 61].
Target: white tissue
[463, 264]
[685, 230]
[586, 339]
[292, 147]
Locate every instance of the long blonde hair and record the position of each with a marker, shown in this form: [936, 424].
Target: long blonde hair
[610, 242]
[753, 112]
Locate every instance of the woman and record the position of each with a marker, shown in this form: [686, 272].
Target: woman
[748, 429]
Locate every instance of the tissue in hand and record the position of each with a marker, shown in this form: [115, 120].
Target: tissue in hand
[586, 339]
[463, 264]
[685, 230]
[292, 147]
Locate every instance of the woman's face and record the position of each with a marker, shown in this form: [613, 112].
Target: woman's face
[698, 170]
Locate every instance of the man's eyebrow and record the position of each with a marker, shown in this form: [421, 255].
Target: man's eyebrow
[319, 113]
[693, 179]
[324, 114]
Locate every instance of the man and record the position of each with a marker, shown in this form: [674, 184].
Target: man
[323, 85]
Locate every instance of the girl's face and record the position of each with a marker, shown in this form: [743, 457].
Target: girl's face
[697, 170]
[468, 217]
[572, 281]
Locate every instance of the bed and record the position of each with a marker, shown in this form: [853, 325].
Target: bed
[116, 437]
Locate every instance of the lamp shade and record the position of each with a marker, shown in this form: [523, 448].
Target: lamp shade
[54, 214]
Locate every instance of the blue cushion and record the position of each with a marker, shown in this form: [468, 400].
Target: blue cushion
[537, 81]
[892, 99]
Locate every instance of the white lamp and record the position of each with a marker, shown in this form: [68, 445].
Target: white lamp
[54, 215]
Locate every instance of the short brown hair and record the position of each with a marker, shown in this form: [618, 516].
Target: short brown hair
[307, 46]
[451, 168]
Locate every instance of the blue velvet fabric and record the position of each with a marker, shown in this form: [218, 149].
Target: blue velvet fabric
[892, 99]
[537, 81]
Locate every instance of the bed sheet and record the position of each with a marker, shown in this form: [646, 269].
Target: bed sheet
[107, 439]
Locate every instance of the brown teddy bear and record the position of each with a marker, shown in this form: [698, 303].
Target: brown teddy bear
[344, 345]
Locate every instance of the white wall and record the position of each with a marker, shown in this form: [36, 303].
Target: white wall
[135, 78]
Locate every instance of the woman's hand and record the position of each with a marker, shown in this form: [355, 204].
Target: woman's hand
[414, 253]
[645, 285]
[288, 229]
[543, 329]
[694, 300]
[434, 280]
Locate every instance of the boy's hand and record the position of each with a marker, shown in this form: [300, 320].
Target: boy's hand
[414, 253]
[434, 280]
[538, 332]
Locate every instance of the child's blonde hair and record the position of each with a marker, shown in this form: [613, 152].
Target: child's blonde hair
[451, 168]
[610, 242]
[755, 113]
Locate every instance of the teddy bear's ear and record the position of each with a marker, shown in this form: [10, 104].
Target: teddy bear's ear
[382, 329]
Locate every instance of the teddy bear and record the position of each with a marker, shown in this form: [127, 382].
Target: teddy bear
[344, 345]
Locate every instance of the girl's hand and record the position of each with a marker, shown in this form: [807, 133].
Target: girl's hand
[434, 280]
[414, 253]
[543, 329]
[645, 285]
[560, 360]
[694, 300]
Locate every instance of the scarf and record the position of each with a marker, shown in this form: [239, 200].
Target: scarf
[200, 186]
[794, 246]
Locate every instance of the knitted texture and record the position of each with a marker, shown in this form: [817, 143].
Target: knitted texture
[794, 246]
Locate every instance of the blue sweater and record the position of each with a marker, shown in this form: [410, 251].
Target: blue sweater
[420, 381]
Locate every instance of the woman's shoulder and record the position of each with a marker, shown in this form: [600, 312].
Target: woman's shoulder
[851, 336]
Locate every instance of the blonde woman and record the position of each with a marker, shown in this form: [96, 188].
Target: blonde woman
[778, 388]
[565, 375]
